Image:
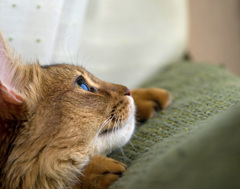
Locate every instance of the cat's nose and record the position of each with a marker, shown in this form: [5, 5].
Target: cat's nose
[117, 89]
[127, 92]
[122, 90]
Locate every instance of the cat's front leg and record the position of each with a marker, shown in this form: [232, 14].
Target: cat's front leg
[100, 173]
[150, 100]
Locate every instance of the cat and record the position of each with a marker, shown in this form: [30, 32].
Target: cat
[58, 122]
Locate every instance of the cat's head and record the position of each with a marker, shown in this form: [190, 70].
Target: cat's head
[65, 112]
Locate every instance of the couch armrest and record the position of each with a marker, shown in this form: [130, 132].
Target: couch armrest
[200, 92]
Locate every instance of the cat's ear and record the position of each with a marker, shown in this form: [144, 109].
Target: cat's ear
[10, 75]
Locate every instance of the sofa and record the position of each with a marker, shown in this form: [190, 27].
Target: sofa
[194, 143]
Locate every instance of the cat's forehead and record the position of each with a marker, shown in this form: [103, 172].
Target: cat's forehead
[65, 68]
[68, 69]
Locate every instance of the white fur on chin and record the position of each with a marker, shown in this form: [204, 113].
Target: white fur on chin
[106, 143]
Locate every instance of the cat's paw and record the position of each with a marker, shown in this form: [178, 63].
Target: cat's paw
[149, 101]
[101, 172]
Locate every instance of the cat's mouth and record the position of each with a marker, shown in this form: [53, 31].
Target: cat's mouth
[125, 126]
[114, 128]
[119, 118]
[107, 131]
[115, 133]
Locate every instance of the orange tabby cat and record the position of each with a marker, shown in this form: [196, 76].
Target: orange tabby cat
[57, 122]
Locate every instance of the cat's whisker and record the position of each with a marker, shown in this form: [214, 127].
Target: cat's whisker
[122, 118]
[114, 127]
[134, 135]
[112, 117]
[116, 124]
[78, 52]
[123, 154]
[120, 122]
[107, 121]
[116, 117]
[104, 124]
[68, 46]
[109, 124]
[132, 145]
[85, 60]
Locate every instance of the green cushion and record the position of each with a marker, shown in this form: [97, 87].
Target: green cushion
[199, 93]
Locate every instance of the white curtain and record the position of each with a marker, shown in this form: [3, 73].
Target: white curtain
[121, 41]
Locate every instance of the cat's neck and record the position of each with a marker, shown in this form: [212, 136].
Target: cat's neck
[11, 117]
[8, 132]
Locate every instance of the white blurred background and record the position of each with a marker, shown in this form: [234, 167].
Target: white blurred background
[119, 41]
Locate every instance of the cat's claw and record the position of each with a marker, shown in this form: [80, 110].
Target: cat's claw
[101, 172]
[149, 101]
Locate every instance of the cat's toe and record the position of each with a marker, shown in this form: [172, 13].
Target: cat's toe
[150, 101]
[101, 172]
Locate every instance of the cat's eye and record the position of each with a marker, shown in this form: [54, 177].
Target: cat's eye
[80, 82]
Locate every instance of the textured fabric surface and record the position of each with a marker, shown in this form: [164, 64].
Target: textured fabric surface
[199, 93]
[209, 159]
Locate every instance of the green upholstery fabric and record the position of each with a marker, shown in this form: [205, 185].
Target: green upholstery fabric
[159, 155]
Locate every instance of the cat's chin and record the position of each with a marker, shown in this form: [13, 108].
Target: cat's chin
[109, 140]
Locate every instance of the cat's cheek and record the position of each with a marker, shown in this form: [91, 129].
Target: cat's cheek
[106, 143]
[124, 134]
